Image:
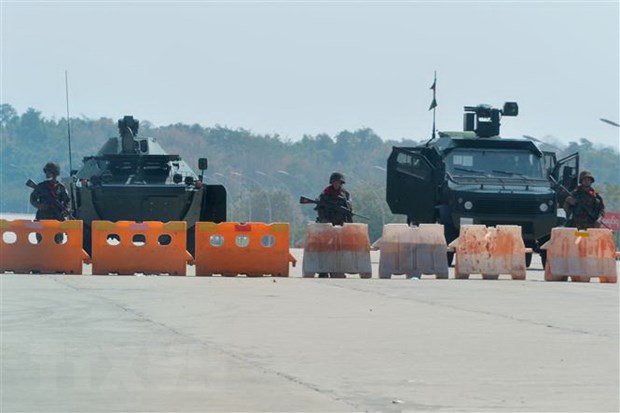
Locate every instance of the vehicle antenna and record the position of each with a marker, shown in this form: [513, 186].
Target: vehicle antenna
[433, 107]
[68, 121]
[69, 139]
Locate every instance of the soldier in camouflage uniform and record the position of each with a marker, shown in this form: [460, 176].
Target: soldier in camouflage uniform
[50, 197]
[335, 202]
[584, 207]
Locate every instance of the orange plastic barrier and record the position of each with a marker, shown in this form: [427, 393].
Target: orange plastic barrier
[42, 246]
[490, 252]
[150, 247]
[413, 251]
[581, 255]
[337, 250]
[232, 248]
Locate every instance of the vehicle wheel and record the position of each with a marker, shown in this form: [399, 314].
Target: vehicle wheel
[580, 279]
[528, 259]
[410, 275]
[608, 280]
[490, 276]
[450, 256]
[385, 275]
[543, 258]
[365, 275]
[228, 274]
[338, 275]
[442, 276]
[519, 277]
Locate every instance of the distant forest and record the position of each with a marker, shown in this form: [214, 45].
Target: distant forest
[263, 174]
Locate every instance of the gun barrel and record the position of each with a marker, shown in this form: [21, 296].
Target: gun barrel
[30, 183]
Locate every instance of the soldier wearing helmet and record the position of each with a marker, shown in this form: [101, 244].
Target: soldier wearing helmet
[50, 197]
[334, 204]
[584, 207]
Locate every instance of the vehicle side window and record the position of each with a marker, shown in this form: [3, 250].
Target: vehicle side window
[413, 165]
[463, 160]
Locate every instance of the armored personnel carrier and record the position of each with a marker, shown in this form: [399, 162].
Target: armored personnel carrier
[136, 180]
[475, 176]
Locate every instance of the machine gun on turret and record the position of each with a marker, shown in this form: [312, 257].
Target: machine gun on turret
[484, 119]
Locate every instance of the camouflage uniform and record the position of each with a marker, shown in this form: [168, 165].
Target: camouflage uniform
[50, 197]
[51, 200]
[588, 206]
[330, 207]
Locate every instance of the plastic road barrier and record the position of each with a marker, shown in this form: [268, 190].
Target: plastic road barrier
[232, 248]
[489, 251]
[581, 255]
[337, 250]
[413, 251]
[43, 246]
[150, 247]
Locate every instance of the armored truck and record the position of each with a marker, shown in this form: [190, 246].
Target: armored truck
[134, 179]
[475, 176]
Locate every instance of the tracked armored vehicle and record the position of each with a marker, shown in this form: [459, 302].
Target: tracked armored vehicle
[134, 179]
[475, 176]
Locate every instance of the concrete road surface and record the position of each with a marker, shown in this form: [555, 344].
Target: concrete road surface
[180, 344]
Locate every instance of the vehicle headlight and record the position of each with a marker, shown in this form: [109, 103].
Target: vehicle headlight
[543, 207]
[468, 205]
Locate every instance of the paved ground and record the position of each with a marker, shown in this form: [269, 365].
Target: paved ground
[100, 344]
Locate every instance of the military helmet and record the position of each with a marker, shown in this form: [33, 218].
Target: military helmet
[586, 174]
[336, 176]
[52, 167]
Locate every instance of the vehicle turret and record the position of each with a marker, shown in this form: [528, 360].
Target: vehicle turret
[484, 120]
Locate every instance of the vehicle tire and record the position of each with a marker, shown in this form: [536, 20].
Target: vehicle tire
[580, 279]
[528, 259]
[490, 276]
[365, 275]
[450, 256]
[385, 275]
[442, 276]
[543, 258]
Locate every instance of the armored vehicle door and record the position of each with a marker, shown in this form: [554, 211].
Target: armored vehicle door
[414, 178]
[549, 162]
[566, 172]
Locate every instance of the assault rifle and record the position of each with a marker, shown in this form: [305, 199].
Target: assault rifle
[305, 200]
[580, 207]
[63, 210]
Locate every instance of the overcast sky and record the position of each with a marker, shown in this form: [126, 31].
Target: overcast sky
[313, 67]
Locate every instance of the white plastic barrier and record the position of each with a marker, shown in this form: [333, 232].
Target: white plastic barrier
[337, 250]
[581, 255]
[489, 251]
[413, 251]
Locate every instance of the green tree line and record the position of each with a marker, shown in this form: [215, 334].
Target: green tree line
[264, 174]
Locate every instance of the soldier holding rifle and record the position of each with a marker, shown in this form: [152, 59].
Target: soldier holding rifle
[334, 203]
[50, 197]
[584, 207]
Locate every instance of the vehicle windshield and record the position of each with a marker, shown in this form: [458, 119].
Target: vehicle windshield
[494, 163]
